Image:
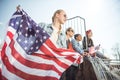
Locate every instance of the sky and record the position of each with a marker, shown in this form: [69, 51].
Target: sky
[102, 16]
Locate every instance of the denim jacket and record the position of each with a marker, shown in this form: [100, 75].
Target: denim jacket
[61, 42]
[76, 46]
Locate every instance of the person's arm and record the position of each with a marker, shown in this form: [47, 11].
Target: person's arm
[42, 25]
[62, 40]
[77, 47]
[92, 44]
[47, 27]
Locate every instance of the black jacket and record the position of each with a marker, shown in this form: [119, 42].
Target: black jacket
[89, 43]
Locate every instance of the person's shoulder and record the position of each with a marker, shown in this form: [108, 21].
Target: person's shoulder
[42, 24]
[73, 40]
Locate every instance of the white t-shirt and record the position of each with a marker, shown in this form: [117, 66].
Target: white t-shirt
[54, 35]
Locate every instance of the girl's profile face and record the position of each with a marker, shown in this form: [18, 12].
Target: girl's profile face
[62, 17]
[79, 38]
[90, 34]
[71, 33]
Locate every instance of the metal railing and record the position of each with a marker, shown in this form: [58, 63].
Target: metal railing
[103, 71]
[77, 23]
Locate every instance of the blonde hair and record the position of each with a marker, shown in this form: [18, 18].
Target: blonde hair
[56, 12]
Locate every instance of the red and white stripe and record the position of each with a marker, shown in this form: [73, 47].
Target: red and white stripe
[48, 64]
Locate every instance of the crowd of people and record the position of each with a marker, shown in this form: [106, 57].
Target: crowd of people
[71, 41]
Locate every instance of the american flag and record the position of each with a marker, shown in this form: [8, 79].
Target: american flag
[29, 54]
